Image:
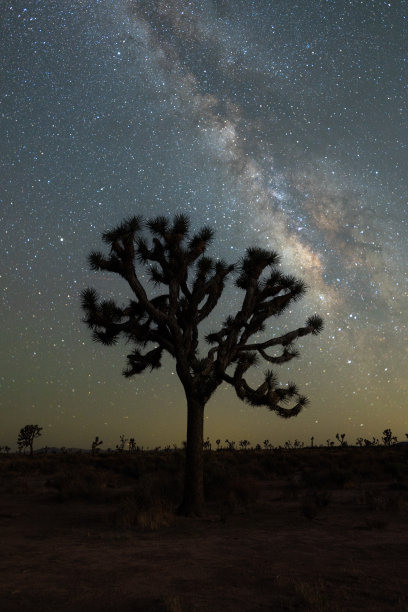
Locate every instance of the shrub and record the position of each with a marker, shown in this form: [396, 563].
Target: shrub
[85, 483]
[131, 514]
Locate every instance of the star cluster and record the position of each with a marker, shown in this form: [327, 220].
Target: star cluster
[281, 124]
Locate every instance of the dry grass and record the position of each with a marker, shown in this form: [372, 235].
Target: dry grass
[284, 530]
[130, 515]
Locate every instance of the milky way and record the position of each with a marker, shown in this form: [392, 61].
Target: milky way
[282, 124]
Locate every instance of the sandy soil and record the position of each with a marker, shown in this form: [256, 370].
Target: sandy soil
[277, 554]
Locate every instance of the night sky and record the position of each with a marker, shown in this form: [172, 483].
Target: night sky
[280, 123]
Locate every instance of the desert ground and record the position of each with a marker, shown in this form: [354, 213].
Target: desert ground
[297, 529]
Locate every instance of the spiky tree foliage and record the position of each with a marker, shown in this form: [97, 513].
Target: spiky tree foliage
[189, 285]
[27, 435]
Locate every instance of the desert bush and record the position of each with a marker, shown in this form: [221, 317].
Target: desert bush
[381, 500]
[150, 505]
[130, 466]
[313, 502]
[291, 490]
[85, 483]
[13, 483]
[243, 492]
[374, 522]
[18, 465]
[396, 469]
[233, 478]
[218, 476]
[331, 477]
[171, 603]
[130, 514]
[158, 488]
[312, 596]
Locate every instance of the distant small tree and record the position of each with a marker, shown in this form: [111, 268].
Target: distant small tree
[189, 286]
[360, 441]
[388, 439]
[218, 442]
[373, 442]
[95, 444]
[27, 435]
[230, 444]
[207, 444]
[244, 444]
[341, 439]
[121, 446]
[132, 446]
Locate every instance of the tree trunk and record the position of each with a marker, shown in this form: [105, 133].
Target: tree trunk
[193, 498]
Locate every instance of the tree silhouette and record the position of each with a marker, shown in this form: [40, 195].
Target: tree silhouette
[207, 444]
[230, 444]
[388, 439]
[95, 444]
[341, 439]
[189, 285]
[26, 437]
[121, 446]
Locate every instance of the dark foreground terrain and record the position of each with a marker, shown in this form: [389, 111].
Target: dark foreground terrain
[304, 529]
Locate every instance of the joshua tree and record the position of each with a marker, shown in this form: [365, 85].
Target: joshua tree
[207, 444]
[230, 444]
[26, 437]
[97, 442]
[121, 446]
[341, 439]
[388, 438]
[373, 442]
[189, 285]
